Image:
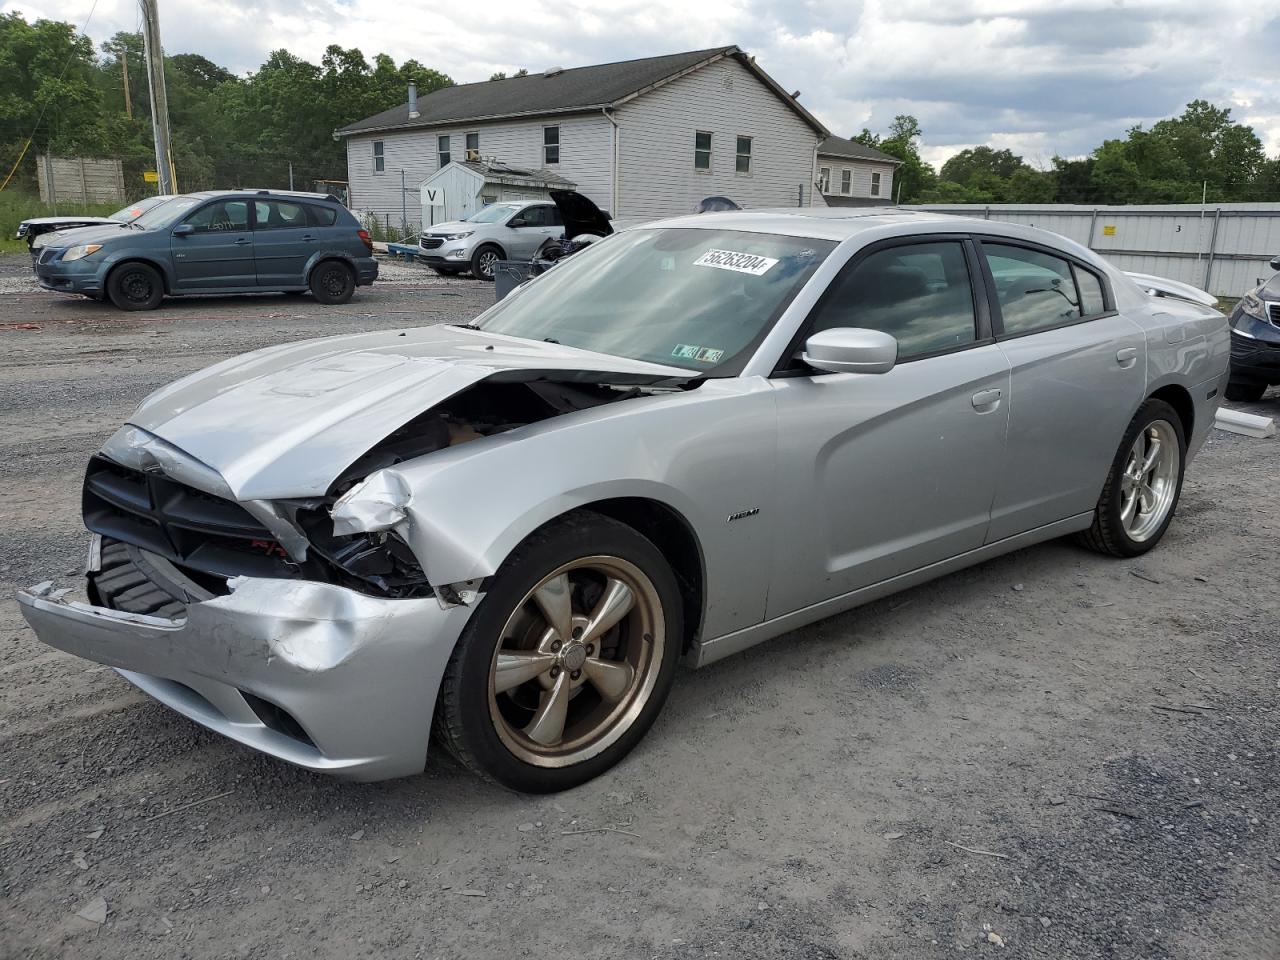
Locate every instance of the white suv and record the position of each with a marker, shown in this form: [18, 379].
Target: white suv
[500, 231]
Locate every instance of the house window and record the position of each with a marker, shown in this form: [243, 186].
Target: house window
[701, 150]
[824, 179]
[875, 184]
[379, 158]
[550, 145]
[846, 180]
[442, 148]
[473, 144]
[744, 155]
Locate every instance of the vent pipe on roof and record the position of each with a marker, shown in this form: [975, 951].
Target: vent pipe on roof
[413, 100]
[552, 71]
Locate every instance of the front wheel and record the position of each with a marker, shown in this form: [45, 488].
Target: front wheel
[1142, 489]
[1246, 392]
[135, 286]
[484, 262]
[568, 659]
[332, 282]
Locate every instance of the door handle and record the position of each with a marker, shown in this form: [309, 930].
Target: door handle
[308, 238]
[241, 241]
[987, 398]
[1127, 356]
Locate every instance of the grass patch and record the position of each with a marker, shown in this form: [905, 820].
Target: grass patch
[16, 207]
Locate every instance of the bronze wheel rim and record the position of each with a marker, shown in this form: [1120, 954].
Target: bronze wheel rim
[577, 661]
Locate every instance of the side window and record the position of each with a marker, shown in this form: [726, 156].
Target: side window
[1091, 300]
[824, 179]
[743, 162]
[875, 184]
[535, 217]
[701, 150]
[553, 217]
[1035, 290]
[379, 158]
[321, 216]
[279, 215]
[550, 145]
[220, 215]
[920, 293]
[846, 180]
[473, 143]
[442, 149]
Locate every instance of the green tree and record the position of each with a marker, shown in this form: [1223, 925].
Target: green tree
[913, 177]
[970, 162]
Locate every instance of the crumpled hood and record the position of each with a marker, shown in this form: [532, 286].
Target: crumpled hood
[285, 421]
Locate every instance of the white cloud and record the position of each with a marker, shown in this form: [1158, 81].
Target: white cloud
[1038, 78]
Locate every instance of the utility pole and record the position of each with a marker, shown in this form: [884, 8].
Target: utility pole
[290, 174]
[159, 99]
[124, 73]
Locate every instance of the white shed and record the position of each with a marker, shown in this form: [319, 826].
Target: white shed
[459, 189]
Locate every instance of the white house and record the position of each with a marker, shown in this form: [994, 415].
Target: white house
[851, 174]
[642, 138]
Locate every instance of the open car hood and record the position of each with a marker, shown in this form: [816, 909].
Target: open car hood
[284, 422]
[580, 215]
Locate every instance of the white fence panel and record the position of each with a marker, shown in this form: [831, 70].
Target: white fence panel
[1224, 248]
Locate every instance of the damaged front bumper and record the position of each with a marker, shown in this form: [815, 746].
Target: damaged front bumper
[321, 676]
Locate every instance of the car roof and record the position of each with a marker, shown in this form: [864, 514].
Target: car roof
[251, 192]
[845, 223]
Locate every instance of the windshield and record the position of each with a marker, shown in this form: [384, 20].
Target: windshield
[135, 210]
[165, 213]
[492, 213]
[688, 298]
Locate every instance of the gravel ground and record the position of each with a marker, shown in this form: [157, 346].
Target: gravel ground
[1100, 735]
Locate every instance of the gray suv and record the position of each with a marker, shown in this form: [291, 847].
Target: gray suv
[515, 230]
[241, 241]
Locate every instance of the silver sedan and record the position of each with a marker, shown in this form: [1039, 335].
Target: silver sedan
[692, 437]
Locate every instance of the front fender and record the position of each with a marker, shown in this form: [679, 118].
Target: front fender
[707, 454]
[160, 260]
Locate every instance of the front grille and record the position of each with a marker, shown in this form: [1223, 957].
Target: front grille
[430, 243]
[186, 526]
[47, 254]
[1273, 311]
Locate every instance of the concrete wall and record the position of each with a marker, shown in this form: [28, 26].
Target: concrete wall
[860, 177]
[76, 180]
[1223, 248]
[586, 143]
[656, 144]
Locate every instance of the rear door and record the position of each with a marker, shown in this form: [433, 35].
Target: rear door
[218, 252]
[1078, 375]
[881, 474]
[284, 237]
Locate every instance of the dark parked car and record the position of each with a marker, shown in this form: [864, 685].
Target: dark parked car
[33, 229]
[1255, 341]
[240, 241]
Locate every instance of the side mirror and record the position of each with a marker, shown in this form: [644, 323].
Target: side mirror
[1275, 263]
[183, 230]
[517, 222]
[851, 350]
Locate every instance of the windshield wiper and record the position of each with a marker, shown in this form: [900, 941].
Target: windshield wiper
[465, 326]
[551, 340]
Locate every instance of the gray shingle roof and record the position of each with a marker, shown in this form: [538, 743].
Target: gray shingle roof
[851, 150]
[566, 91]
[518, 176]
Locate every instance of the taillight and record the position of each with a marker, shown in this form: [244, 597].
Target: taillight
[368, 241]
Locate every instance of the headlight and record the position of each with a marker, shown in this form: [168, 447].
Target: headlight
[458, 236]
[80, 251]
[1252, 305]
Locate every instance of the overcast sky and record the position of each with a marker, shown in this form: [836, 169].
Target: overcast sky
[1039, 78]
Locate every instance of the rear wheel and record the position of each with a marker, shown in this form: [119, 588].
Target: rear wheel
[1142, 489]
[135, 286]
[484, 261]
[332, 282]
[1246, 392]
[568, 659]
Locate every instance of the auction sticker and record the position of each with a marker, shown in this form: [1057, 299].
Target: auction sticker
[684, 351]
[751, 263]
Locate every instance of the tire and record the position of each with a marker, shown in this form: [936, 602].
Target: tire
[332, 282]
[551, 251]
[446, 271]
[1246, 392]
[511, 736]
[131, 580]
[135, 286]
[483, 262]
[1113, 532]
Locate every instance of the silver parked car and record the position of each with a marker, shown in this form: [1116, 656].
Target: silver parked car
[694, 437]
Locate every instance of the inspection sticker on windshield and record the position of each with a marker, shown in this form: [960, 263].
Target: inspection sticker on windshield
[739, 262]
[684, 351]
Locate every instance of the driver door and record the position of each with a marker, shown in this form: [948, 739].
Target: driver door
[532, 227]
[218, 252]
[882, 474]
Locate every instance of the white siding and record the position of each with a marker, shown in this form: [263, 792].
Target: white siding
[656, 136]
[860, 177]
[586, 144]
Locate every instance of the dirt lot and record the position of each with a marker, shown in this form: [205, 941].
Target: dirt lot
[1102, 735]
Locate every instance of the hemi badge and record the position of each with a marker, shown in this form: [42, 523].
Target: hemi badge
[744, 514]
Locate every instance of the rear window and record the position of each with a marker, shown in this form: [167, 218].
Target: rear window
[321, 216]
